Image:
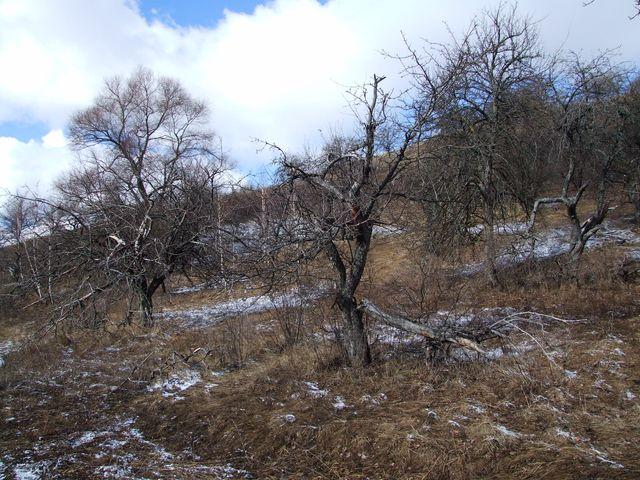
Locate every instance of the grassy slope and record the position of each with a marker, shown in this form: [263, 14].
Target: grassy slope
[567, 414]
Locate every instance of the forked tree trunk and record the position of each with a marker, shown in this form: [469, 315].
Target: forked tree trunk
[145, 292]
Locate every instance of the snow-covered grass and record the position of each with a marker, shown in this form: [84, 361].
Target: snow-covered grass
[510, 228]
[120, 450]
[552, 243]
[177, 382]
[507, 432]
[339, 403]
[211, 314]
[6, 347]
[314, 390]
[288, 418]
[31, 471]
[387, 230]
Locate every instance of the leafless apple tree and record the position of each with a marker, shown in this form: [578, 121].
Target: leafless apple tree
[336, 198]
[587, 113]
[140, 205]
[501, 61]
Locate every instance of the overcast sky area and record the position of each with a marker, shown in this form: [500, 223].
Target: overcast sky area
[273, 70]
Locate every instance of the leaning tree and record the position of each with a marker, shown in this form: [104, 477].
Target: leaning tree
[139, 205]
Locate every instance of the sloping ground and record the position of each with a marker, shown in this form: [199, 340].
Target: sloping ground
[211, 314]
[563, 403]
[572, 413]
[68, 417]
[547, 244]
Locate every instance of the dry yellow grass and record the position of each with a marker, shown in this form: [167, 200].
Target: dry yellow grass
[570, 413]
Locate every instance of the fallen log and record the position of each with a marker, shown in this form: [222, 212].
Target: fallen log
[436, 335]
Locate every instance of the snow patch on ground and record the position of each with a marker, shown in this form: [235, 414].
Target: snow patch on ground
[510, 228]
[6, 347]
[551, 243]
[314, 390]
[87, 437]
[475, 408]
[288, 418]
[211, 314]
[590, 450]
[603, 457]
[176, 383]
[225, 472]
[387, 230]
[506, 432]
[191, 288]
[339, 403]
[374, 399]
[392, 336]
[30, 471]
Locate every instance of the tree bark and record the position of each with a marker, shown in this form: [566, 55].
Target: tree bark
[146, 309]
[354, 338]
[145, 294]
[489, 214]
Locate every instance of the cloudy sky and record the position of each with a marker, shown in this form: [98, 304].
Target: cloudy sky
[274, 70]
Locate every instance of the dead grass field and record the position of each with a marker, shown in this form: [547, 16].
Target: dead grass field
[127, 403]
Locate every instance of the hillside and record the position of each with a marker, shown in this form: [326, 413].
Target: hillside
[443, 284]
[215, 391]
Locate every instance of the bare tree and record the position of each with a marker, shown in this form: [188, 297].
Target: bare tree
[500, 56]
[139, 206]
[631, 161]
[589, 130]
[335, 199]
[18, 221]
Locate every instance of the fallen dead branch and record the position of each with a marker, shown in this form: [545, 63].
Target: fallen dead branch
[467, 336]
[444, 335]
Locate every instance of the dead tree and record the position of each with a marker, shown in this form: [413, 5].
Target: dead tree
[458, 336]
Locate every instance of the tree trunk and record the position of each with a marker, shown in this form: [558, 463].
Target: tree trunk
[577, 243]
[146, 309]
[354, 338]
[634, 196]
[145, 294]
[489, 215]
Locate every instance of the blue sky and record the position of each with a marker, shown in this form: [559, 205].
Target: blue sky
[185, 13]
[23, 131]
[273, 70]
[204, 13]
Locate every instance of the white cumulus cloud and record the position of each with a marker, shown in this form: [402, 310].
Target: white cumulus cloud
[35, 164]
[278, 73]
